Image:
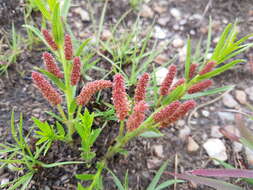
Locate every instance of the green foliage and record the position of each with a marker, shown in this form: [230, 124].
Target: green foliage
[87, 134]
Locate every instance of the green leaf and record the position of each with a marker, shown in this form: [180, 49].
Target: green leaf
[117, 181]
[175, 94]
[57, 25]
[56, 80]
[220, 69]
[22, 180]
[60, 164]
[157, 177]
[152, 134]
[208, 92]
[60, 129]
[85, 177]
[82, 46]
[188, 59]
[168, 183]
[80, 187]
[65, 8]
[42, 7]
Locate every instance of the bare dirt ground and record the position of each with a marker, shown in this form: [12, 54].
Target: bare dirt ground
[173, 19]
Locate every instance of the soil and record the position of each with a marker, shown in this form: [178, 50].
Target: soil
[18, 93]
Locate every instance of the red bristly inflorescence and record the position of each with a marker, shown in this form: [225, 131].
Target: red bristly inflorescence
[75, 73]
[68, 48]
[166, 112]
[207, 68]
[46, 89]
[192, 70]
[200, 86]
[137, 117]
[140, 90]
[51, 66]
[164, 89]
[90, 89]
[119, 97]
[179, 113]
[178, 83]
[49, 39]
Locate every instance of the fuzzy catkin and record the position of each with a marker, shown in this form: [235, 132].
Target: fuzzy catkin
[49, 39]
[119, 97]
[46, 89]
[51, 66]
[164, 89]
[90, 89]
[140, 90]
[200, 86]
[68, 47]
[192, 70]
[76, 70]
[137, 117]
[207, 68]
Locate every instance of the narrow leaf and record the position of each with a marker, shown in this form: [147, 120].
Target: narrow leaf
[224, 173]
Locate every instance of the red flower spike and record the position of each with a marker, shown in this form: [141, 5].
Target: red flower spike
[140, 90]
[68, 48]
[119, 97]
[137, 117]
[49, 39]
[192, 70]
[51, 66]
[207, 68]
[180, 112]
[178, 83]
[76, 69]
[164, 89]
[46, 89]
[200, 86]
[90, 89]
[166, 112]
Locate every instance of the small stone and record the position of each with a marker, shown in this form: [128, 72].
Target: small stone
[249, 91]
[182, 53]
[106, 35]
[241, 96]
[249, 155]
[4, 181]
[83, 14]
[160, 74]
[205, 113]
[215, 148]
[237, 147]
[175, 13]
[158, 150]
[176, 27]
[163, 20]
[226, 116]
[159, 8]
[178, 42]
[161, 59]
[146, 11]
[192, 145]
[184, 133]
[159, 33]
[181, 123]
[229, 101]
[153, 163]
[215, 132]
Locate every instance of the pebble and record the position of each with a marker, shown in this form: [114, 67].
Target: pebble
[106, 35]
[4, 181]
[163, 20]
[215, 132]
[249, 155]
[192, 145]
[159, 33]
[205, 113]
[182, 53]
[178, 42]
[237, 147]
[241, 96]
[161, 59]
[215, 148]
[153, 163]
[184, 133]
[83, 14]
[226, 116]
[229, 101]
[158, 150]
[160, 74]
[175, 13]
[249, 91]
[146, 12]
[159, 8]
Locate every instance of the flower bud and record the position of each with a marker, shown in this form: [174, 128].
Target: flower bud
[192, 70]
[207, 68]
[49, 39]
[51, 66]
[199, 86]
[68, 48]
[46, 89]
[140, 90]
[76, 69]
[119, 97]
[164, 89]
